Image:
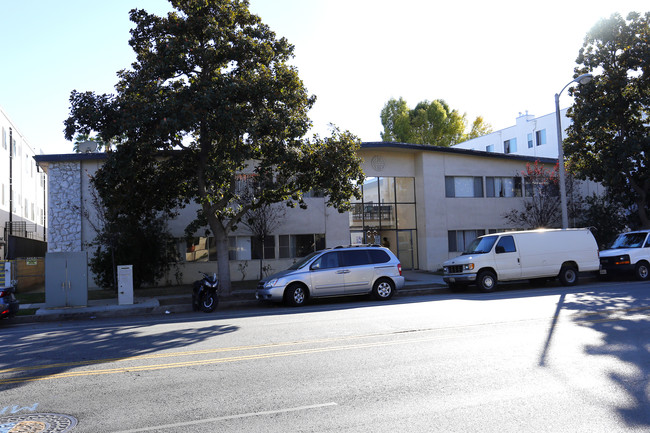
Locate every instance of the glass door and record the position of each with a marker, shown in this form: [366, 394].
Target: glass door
[407, 251]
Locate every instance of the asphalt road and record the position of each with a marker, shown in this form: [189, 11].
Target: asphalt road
[521, 360]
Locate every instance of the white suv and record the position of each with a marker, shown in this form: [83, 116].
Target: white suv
[352, 270]
[630, 253]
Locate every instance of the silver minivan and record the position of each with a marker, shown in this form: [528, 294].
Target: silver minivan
[352, 270]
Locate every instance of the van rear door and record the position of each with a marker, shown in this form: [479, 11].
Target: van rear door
[506, 258]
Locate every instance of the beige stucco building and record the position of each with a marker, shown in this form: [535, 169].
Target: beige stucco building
[424, 202]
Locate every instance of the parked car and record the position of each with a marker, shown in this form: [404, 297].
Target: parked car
[629, 254]
[351, 270]
[532, 254]
[9, 305]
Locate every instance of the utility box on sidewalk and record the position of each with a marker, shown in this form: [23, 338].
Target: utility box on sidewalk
[125, 285]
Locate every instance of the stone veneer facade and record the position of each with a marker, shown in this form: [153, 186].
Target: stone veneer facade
[64, 225]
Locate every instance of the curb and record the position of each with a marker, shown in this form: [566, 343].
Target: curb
[170, 305]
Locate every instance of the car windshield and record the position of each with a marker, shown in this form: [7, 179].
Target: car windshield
[302, 262]
[481, 245]
[629, 240]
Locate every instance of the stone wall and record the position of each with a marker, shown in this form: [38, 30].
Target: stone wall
[64, 225]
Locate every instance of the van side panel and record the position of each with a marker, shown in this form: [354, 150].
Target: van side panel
[544, 252]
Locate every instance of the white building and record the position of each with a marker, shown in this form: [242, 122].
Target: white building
[530, 136]
[22, 194]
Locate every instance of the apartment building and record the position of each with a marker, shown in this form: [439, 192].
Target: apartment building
[23, 197]
[531, 136]
[425, 203]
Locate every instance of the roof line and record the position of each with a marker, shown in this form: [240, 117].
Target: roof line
[442, 149]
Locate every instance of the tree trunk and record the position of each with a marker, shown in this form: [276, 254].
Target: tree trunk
[643, 214]
[261, 261]
[641, 202]
[223, 262]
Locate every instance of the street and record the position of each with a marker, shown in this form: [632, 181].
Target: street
[523, 359]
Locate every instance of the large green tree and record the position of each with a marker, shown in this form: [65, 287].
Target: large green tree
[211, 95]
[433, 123]
[609, 140]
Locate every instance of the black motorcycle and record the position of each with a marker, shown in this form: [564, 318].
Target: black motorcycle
[205, 294]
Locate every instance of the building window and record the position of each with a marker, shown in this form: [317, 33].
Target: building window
[540, 136]
[263, 252]
[503, 186]
[510, 146]
[535, 188]
[530, 141]
[239, 248]
[463, 186]
[489, 148]
[459, 240]
[293, 246]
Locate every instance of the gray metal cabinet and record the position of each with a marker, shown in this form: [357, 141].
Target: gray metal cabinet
[66, 279]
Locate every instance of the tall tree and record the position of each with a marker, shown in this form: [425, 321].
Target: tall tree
[210, 95]
[433, 123]
[609, 140]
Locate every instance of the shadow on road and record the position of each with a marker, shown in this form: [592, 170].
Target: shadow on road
[623, 319]
[31, 356]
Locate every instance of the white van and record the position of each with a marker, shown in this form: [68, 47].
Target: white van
[630, 253]
[524, 255]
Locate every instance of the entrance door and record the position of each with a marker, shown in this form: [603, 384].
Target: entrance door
[407, 249]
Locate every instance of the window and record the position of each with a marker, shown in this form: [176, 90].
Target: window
[292, 246]
[327, 261]
[405, 189]
[489, 148]
[355, 257]
[463, 186]
[530, 141]
[314, 193]
[510, 146]
[506, 245]
[540, 136]
[459, 240]
[239, 248]
[379, 256]
[503, 186]
[263, 252]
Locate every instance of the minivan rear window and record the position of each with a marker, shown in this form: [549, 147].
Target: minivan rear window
[379, 256]
[355, 257]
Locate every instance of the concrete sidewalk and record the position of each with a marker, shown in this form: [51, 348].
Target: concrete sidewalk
[416, 283]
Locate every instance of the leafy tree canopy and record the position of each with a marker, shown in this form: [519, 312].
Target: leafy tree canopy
[211, 94]
[609, 140]
[432, 123]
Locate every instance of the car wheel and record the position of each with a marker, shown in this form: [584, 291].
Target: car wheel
[486, 281]
[384, 289]
[295, 295]
[208, 302]
[568, 276]
[642, 271]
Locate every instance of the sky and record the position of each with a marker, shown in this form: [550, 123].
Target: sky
[494, 59]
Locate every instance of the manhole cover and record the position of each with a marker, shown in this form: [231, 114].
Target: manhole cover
[37, 423]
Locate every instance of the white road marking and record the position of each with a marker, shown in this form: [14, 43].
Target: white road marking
[223, 418]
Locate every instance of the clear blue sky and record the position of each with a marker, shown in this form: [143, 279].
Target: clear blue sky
[490, 58]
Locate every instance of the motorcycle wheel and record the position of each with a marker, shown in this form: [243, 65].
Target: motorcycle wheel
[208, 302]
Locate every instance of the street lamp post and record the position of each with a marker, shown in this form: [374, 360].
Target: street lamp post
[582, 79]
